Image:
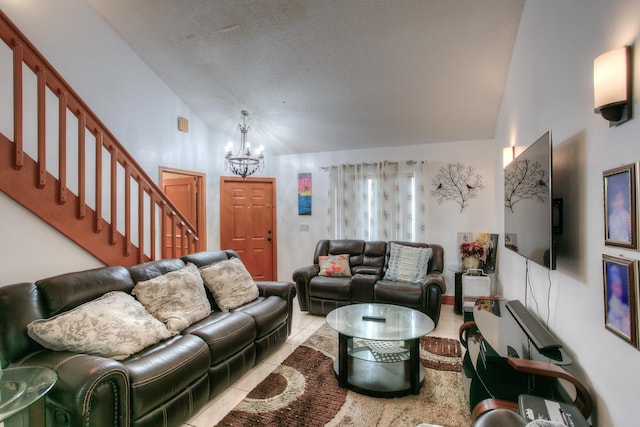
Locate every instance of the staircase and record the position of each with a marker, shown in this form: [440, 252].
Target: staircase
[74, 174]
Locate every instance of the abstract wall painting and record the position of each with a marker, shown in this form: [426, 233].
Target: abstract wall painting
[304, 193]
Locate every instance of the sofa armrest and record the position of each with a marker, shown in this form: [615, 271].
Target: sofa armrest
[302, 276]
[432, 289]
[284, 290]
[367, 269]
[435, 278]
[90, 390]
[582, 399]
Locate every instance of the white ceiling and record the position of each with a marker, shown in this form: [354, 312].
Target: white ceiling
[324, 75]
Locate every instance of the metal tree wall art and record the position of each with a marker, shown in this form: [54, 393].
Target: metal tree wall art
[458, 183]
[527, 180]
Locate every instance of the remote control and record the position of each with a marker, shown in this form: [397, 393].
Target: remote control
[374, 318]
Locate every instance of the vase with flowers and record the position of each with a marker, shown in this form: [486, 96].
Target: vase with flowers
[471, 253]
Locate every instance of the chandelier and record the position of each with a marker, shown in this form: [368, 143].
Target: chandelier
[243, 163]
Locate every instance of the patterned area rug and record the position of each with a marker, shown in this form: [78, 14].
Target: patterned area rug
[303, 391]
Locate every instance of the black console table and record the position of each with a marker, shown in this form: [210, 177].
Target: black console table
[510, 353]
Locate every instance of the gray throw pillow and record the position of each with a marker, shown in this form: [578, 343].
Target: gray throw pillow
[407, 263]
[178, 298]
[114, 325]
[230, 283]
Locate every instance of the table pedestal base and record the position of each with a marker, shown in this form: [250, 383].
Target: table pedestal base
[379, 379]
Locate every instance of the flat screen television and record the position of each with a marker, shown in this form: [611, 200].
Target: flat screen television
[529, 205]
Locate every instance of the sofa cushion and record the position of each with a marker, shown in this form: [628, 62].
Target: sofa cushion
[268, 313]
[334, 265]
[163, 371]
[335, 288]
[407, 263]
[114, 325]
[177, 298]
[230, 283]
[226, 334]
[149, 270]
[406, 294]
[19, 306]
[66, 291]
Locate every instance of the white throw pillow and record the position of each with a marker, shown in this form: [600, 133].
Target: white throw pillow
[230, 283]
[178, 298]
[114, 325]
[407, 263]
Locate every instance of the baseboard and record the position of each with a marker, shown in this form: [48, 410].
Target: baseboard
[448, 299]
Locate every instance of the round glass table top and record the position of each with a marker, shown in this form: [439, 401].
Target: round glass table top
[384, 322]
[20, 387]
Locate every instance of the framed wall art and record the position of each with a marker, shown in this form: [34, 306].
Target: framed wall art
[620, 280]
[304, 194]
[620, 221]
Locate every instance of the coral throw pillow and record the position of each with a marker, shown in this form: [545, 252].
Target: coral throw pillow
[334, 266]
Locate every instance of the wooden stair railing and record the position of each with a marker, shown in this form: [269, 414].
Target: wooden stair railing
[113, 209]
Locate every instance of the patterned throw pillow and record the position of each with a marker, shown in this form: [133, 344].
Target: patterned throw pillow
[178, 298]
[230, 283]
[334, 266]
[114, 325]
[407, 263]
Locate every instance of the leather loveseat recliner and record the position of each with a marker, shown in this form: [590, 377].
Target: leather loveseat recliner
[166, 383]
[368, 261]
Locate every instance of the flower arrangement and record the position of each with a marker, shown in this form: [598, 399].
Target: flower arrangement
[472, 249]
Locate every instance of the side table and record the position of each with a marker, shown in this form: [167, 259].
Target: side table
[22, 388]
[457, 276]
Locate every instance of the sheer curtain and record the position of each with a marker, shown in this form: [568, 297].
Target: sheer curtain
[378, 201]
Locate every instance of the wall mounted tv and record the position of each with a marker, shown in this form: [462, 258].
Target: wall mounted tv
[529, 212]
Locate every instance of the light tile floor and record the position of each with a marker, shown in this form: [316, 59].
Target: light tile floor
[303, 326]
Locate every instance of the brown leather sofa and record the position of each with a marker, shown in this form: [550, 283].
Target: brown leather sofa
[368, 261]
[162, 385]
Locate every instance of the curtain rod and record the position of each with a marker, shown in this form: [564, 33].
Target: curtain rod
[409, 162]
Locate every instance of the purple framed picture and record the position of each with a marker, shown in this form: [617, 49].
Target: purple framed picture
[620, 296]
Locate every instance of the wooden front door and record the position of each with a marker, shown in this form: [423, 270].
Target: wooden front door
[186, 190]
[248, 223]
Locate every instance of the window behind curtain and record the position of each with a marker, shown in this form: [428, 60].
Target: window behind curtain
[377, 201]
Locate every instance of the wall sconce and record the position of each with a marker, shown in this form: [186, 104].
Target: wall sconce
[612, 85]
[509, 153]
[183, 124]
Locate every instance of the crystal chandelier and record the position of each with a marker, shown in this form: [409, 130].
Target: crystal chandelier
[243, 163]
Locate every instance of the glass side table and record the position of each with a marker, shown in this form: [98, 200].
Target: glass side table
[20, 388]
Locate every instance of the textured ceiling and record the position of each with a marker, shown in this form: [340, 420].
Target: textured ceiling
[324, 75]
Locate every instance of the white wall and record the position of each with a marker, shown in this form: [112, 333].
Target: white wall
[104, 71]
[295, 247]
[550, 86]
[132, 101]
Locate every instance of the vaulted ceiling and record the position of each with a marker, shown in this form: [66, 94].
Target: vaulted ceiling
[324, 75]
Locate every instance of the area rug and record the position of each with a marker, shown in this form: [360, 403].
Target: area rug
[303, 391]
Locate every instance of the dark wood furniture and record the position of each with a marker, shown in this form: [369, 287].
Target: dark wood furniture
[510, 353]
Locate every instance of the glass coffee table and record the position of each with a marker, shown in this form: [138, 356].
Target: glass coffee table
[379, 348]
[21, 388]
